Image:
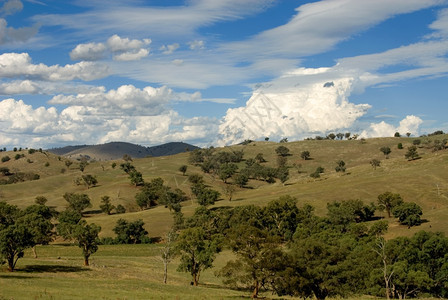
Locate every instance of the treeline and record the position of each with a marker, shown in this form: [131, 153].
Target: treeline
[288, 250]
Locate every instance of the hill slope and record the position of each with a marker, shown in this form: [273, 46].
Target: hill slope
[116, 150]
[424, 181]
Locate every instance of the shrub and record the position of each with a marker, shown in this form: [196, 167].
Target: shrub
[5, 158]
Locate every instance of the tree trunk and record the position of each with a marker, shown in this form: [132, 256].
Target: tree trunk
[11, 264]
[86, 261]
[34, 251]
[165, 272]
[256, 289]
[195, 279]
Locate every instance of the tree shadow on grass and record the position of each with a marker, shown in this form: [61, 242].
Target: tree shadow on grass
[15, 277]
[52, 269]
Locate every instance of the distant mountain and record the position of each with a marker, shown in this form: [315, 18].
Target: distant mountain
[116, 150]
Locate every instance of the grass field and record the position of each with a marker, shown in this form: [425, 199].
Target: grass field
[135, 271]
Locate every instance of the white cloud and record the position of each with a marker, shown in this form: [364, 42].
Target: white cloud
[123, 49]
[295, 105]
[43, 127]
[319, 26]
[169, 49]
[409, 124]
[90, 51]
[11, 7]
[9, 35]
[197, 44]
[20, 65]
[440, 25]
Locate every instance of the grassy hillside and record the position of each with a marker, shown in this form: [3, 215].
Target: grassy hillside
[424, 181]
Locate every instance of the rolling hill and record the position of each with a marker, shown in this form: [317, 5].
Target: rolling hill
[424, 181]
[116, 150]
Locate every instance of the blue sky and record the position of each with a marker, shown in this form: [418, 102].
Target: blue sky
[216, 72]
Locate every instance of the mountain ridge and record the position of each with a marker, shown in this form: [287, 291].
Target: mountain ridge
[116, 150]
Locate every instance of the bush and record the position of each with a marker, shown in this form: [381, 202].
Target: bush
[120, 209]
[6, 158]
[408, 214]
[400, 146]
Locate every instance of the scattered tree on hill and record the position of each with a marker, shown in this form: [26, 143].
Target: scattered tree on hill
[38, 218]
[120, 209]
[400, 146]
[386, 151]
[127, 157]
[387, 201]
[241, 179]
[83, 164]
[183, 169]
[77, 202]
[15, 235]
[229, 191]
[305, 155]
[167, 252]
[408, 213]
[106, 206]
[416, 142]
[127, 167]
[340, 166]
[130, 232]
[412, 153]
[89, 180]
[68, 163]
[331, 136]
[347, 135]
[375, 163]
[68, 220]
[136, 178]
[259, 158]
[282, 161]
[397, 134]
[41, 200]
[284, 140]
[283, 174]
[282, 151]
[258, 258]
[86, 236]
[227, 170]
[197, 252]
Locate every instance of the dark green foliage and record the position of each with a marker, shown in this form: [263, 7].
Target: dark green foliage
[408, 213]
[83, 164]
[397, 134]
[106, 206]
[412, 153]
[5, 158]
[340, 166]
[259, 158]
[130, 232]
[227, 170]
[305, 155]
[282, 151]
[41, 200]
[183, 169]
[259, 258]
[89, 180]
[375, 163]
[68, 220]
[151, 193]
[349, 211]
[127, 167]
[386, 151]
[316, 174]
[331, 136]
[416, 142]
[77, 202]
[241, 179]
[5, 171]
[15, 234]
[136, 178]
[283, 174]
[86, 236]
[400, 146]
[207, 196]
[282, 161]
[387, 201]
[197, 252]
[120, 209]
[281, 217]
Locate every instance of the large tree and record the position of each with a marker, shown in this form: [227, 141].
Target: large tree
[388, 200]
[86, 236]
[197, 252]
[77, 202]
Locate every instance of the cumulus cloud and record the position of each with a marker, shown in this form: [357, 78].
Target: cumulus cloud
[410, 124]
[89, 51]
[169, 49]
[122, 49]
[302, 102]
[83, 124]
[20, 65]
[195, 45]
[11, 7]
